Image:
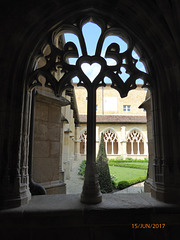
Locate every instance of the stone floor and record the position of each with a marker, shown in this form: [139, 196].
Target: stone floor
[75, 183]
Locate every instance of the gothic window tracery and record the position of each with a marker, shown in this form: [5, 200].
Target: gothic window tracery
[57, 61]
[111, 142]
[135, 143]
[67, 54]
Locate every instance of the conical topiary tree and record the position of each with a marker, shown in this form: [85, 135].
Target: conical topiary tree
[103, 169]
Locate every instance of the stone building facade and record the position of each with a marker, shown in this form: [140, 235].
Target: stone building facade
[120, 119]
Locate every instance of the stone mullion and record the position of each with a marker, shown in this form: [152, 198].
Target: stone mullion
[112, 150]
[138, 148]
[132, 150]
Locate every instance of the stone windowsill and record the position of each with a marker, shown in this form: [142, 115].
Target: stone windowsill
[67, 210]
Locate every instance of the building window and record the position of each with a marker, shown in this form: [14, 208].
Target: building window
[126, 108]
[135, 143]
[83, 142]
[111, 142]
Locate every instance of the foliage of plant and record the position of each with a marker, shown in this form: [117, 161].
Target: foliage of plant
[129, 165]
[124, 184]
[120, 163]
[113, 180]
[128, 161]
[103, 169]
[81, 170]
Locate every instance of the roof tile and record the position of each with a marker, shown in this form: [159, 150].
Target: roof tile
[115, 119]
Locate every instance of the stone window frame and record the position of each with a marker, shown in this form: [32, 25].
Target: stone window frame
[130, 138]
[112, 137]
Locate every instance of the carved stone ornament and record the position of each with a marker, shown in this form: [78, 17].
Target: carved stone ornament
[52, 63]
[53, 68]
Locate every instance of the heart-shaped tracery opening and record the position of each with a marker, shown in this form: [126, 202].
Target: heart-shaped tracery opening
[91, 70]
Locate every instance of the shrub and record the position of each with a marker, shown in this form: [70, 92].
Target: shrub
[103, 169]
[119, 158]
[124, 184]
[81, 170]
[129, 159]
[113, 181]
[129, 165]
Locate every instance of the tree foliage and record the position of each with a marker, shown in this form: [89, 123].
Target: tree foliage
[103, 169]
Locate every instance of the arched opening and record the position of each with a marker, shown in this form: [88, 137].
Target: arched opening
[135, 142]
[111, 142]
[22, 37]
[67, 60]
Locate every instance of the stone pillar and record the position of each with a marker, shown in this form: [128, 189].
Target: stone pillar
[123, 142]
[97, 140]
[147, 106]
[47, 158]
[166, 165]
[71, 141]
[77, 155]
[146, 146]
[14, 183]
[66, 151]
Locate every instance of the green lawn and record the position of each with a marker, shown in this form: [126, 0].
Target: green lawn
[124, 173]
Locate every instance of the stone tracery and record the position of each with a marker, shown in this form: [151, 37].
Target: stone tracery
[111, 142]
[135, 143]
[55, 55]
[53, 64]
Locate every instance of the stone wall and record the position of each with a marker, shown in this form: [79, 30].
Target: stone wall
[47, 157]
[110, 102]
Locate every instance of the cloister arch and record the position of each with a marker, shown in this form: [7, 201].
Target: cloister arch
[135, 142]
[17, 106]
[111, 141]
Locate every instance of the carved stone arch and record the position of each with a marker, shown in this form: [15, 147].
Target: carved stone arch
[135, 142]
[161, 51]
[36, 50]
[138, 129]
[111, 140]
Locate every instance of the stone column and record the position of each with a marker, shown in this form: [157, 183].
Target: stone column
[66, 150]
[147, 106]
[71, 144]
[77, 155]
[123, 142]
[97, 140]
